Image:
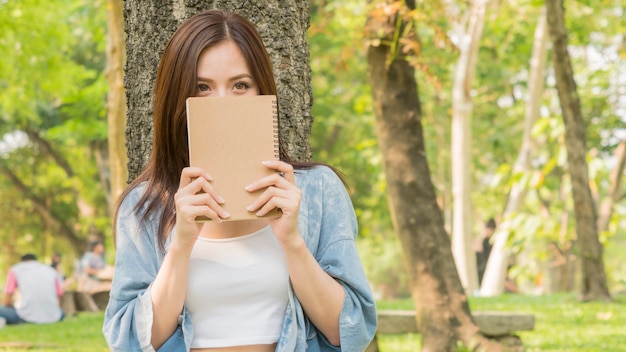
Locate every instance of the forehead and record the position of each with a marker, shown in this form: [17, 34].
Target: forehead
[224, 58]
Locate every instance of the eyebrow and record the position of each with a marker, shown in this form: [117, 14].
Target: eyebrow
[234, 78]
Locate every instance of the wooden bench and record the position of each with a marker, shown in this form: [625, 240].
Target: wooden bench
[499, 326]
[77, 301]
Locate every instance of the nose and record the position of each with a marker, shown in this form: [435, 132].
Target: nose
[221, 93]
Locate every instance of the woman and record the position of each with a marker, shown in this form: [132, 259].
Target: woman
[94, 274]
[181, 285]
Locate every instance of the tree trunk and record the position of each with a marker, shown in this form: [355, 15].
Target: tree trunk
[116, 101]
[461, 154]
[282, 25]
[493, 282]
[594, 283]
[563, 260]
[614, 194]
[442, 312]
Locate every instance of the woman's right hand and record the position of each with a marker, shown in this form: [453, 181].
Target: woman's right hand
[195, 198]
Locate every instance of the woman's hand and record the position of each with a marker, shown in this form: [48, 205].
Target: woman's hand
[281, 193]
[195, 198]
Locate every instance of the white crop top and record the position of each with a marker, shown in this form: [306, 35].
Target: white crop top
[237, 290]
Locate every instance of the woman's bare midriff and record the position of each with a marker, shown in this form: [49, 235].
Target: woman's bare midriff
[246, 348]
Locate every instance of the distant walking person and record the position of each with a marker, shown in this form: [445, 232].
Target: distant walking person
[40, 290]
[484, 249]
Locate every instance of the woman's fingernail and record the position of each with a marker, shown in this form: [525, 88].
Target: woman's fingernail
[265, 162]
[248, 187]
[225, 214]
[249, 207]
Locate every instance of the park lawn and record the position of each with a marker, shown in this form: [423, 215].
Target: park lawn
[562, 323]
[80, 333]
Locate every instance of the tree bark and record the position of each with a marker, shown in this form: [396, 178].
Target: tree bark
[442, 312]
[116, 101]
[282, 25]
[493, 282]
[594, 282]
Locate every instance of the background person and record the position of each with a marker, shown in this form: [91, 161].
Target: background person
[55, 261]
[95, 274]
[40, 292]
[483, 250]
[56, 264]
[92, 261]
[293, 283]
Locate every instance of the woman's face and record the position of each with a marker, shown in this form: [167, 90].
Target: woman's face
[223, 72]
[98, 249]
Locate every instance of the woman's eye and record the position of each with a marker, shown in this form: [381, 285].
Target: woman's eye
[203, 87]
[241, 85]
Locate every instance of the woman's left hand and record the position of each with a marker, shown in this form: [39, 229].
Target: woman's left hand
[281, 193]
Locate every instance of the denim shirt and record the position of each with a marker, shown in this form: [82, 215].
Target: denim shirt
[327, 223]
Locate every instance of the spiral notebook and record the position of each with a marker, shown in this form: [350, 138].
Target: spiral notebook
[229, 137]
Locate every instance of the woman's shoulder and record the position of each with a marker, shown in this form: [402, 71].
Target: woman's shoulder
[318, 174]
[132, 196]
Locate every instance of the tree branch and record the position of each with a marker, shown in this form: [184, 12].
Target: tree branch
[46, 213]
[47, 147]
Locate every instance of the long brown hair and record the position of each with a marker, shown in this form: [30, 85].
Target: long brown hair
[176, 81]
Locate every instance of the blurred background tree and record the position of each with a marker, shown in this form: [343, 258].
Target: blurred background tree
[545, 218]
[53, 155]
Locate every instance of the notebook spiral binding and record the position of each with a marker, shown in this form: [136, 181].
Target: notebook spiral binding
[275, 123]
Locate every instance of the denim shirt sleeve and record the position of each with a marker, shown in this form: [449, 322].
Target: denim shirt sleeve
[328, 225]
[128, 316]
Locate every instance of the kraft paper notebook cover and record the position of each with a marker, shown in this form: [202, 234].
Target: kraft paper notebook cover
[229, 137]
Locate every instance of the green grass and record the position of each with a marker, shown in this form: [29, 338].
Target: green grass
[562, 323]
[80, 333]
